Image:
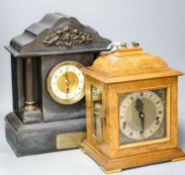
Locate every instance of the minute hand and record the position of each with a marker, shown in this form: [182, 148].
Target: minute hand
[139, 107]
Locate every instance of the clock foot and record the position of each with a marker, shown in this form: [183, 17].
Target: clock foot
[82, 150]
[178, 159]
[110, 171]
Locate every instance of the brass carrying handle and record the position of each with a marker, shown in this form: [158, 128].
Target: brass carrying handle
[114, 46]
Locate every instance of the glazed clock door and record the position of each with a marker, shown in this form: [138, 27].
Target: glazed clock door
[142, 116]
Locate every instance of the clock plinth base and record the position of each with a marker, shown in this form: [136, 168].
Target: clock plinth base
[111, 164]
[35, 138]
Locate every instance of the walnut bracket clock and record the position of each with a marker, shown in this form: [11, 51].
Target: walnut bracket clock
[48, 84]
[131, 101]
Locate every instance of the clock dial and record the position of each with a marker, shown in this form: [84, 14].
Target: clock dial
[66, 82]
[141, 115]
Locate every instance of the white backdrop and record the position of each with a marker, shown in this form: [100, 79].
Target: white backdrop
[159, 25]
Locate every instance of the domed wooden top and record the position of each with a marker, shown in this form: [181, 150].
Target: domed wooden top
[126, 61]
[128, 64]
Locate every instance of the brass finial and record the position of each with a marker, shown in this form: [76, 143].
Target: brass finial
[135, 44]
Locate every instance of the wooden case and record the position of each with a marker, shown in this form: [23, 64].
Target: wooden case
[129, 70]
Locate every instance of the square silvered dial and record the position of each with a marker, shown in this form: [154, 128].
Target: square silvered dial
[142, 115]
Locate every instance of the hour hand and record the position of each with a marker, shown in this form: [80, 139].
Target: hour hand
[139, 105]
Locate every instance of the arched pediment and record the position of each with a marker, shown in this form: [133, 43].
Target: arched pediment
[57, 34]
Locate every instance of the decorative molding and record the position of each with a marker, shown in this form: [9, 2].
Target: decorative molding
[67, 37]
[55, 34]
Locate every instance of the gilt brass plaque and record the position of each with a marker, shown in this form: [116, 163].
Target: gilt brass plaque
[69, 140]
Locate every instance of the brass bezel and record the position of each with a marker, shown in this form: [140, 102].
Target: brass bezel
[53, 96]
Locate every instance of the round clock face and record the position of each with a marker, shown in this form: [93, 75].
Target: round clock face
[66, 82]
[141, 115]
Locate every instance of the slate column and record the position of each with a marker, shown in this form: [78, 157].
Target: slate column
[31, 113]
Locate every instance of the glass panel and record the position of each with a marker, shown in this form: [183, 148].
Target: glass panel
[142, 116]
[97, 112]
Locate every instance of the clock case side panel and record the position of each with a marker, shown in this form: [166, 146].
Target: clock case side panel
[89, 115]
[170, 141]
[93, 141]
[53, 111]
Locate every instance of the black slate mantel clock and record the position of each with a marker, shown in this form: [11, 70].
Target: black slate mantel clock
[48, 84]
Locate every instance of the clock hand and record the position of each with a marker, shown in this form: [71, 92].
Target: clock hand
[139, 107]
[141, 116]
[67, 81]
